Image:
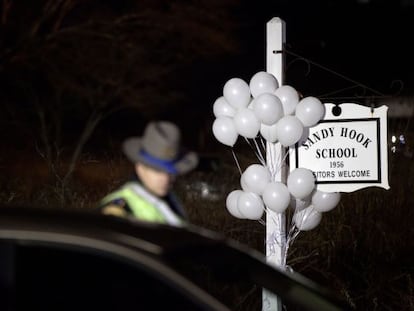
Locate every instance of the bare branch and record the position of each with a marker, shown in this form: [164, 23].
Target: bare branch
[6, 5]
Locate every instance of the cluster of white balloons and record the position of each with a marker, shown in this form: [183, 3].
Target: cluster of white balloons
[278, 114]
[262, 106]
[259, 191]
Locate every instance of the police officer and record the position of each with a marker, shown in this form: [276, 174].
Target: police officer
[158, 159]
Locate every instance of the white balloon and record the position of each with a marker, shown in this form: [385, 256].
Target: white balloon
[268, 108]
[289, 98]
[224, 131]
[222, 108]
[246, 123]
[250, 205]
[310, 111]
[307, 219]
[237, 93]
[255, 178]
[325, 201]
[298, 205]
[276, 196]
[301, 182]
[304, 136]
[269, 132]
[231, 203]
[263, 82]
[251, 104]
[243, 184]
[289, 130]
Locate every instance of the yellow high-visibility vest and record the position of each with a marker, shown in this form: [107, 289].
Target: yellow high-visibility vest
[144, 205]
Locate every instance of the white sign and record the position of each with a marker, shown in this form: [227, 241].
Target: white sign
[347, 150]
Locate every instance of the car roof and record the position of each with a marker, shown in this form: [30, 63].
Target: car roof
[163, 248]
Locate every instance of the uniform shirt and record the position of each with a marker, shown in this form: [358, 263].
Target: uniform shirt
[134, 200]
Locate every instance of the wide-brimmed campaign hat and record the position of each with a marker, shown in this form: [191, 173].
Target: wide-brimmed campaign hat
[160, 148]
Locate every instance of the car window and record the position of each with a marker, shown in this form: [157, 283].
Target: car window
[50, 278]
[214, 270]
[238, 279]
[236, 293]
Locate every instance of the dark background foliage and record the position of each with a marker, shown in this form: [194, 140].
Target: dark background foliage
[77, 77]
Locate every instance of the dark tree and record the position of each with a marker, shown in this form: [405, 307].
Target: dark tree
[65, 65]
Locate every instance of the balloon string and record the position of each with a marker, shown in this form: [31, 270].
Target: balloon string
[271, 162]
[279, 238]
[278, 169]
[256, 152]
[237, 162]
[262, 143]
[250, 145]
[259, 153]
[248, 142]
[307, 214]
[275, 162]
[276, 221]
[293, 234]
[262, 140]
[284, 157]
[294, 230]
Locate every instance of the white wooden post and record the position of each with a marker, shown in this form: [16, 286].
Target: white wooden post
[275, 159]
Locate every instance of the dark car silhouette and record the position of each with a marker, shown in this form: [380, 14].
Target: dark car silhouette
[70, 260]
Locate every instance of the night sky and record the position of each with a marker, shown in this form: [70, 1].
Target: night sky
[339, 51]
[367, 42]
